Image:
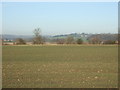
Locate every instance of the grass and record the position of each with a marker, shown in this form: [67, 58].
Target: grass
[60, 66]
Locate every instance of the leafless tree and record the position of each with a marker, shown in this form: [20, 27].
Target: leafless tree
[70, 40]
[38, 37]
[60, 41]
[95, 40]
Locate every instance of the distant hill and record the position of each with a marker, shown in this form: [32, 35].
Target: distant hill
[12, 37]
[48, 38]
[104, 37]
[83, 36]
[75, 35]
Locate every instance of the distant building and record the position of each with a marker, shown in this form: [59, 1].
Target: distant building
[7, 42]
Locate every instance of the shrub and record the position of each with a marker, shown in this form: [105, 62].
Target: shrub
[19, 41]
[109, 42]
[79, 41]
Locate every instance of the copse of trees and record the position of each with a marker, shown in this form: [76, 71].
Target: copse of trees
[103, 39]
[109, 42]
[79, 41]
[60, 41]
[70, 40]
[66, 39]
[38, 39]
[95, 40]
[19, 41]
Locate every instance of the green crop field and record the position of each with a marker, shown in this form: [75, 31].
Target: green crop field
[67, 66]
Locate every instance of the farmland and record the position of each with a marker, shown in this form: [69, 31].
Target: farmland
[67, 66]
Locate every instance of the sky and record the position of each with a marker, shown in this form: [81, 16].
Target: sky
[53, 18]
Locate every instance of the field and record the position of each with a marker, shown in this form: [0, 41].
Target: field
[67, 66]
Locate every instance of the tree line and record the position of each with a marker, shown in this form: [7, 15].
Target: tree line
[39, 39]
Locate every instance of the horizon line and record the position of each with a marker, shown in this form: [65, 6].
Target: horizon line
[59, 34]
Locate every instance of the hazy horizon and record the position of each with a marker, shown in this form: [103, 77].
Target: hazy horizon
[56, 18]
[54, 34]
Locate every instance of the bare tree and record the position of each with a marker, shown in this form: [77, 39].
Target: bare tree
[95, 40]
[60, 41]
[70, 40]
[38, 37]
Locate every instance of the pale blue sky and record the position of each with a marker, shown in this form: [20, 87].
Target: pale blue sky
[60, 17]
